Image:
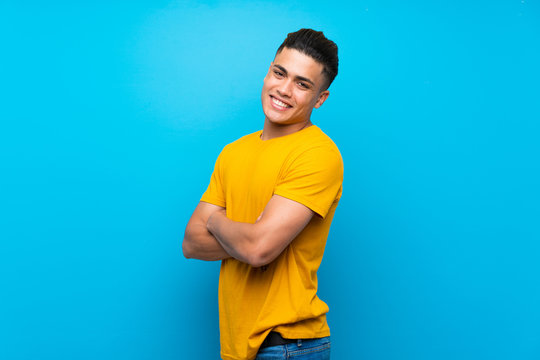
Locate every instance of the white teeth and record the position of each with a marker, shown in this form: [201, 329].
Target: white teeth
[279, 103]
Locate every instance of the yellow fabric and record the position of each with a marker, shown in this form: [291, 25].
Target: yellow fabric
[306, 167]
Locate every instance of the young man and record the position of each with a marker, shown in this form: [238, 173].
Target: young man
[267, 212]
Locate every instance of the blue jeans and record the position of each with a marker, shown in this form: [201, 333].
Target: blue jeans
[311, 349]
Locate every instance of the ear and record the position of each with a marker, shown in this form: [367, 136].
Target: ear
[322, 98]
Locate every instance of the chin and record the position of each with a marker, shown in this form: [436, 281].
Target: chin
[277, 119]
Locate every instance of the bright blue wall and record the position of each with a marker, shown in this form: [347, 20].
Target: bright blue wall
[112, 117]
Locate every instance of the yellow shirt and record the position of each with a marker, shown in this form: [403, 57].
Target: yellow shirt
[306, 167]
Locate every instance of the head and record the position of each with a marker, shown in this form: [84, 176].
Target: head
[298, 79]
[315, 45]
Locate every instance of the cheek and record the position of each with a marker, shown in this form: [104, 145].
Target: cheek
[305, 100]
[266, 85]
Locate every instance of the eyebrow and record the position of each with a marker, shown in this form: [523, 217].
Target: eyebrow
[298, 77]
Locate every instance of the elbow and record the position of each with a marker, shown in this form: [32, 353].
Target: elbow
[253, 252]
[260, 256]
[260, 252]
[187, 245]
[257, 262]
[186, 249]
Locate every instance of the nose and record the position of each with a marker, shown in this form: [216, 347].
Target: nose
[285, 88]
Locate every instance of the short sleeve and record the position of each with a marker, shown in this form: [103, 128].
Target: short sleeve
[314, 179]
[215, 193]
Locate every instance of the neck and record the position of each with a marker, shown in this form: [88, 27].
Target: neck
[272, 130]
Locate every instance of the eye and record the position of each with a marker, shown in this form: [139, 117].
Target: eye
[278, 73]
[303, 85]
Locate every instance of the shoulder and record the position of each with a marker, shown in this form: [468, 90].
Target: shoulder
[314, 154]
[318, 145]
[322, 139]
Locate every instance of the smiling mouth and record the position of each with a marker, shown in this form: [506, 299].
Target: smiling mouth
[280, 105]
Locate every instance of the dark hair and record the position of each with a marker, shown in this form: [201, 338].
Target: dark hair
[316, 45]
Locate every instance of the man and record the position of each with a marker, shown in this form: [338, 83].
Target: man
[267, 212]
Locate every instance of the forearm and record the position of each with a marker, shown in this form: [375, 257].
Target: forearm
[237, 238]
[260, 243]
[200, 244]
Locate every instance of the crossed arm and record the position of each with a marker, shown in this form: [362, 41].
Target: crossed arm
[210, 235]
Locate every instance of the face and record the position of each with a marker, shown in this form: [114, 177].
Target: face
[292, 88]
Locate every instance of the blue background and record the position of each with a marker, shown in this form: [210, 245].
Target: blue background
[112, 114]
